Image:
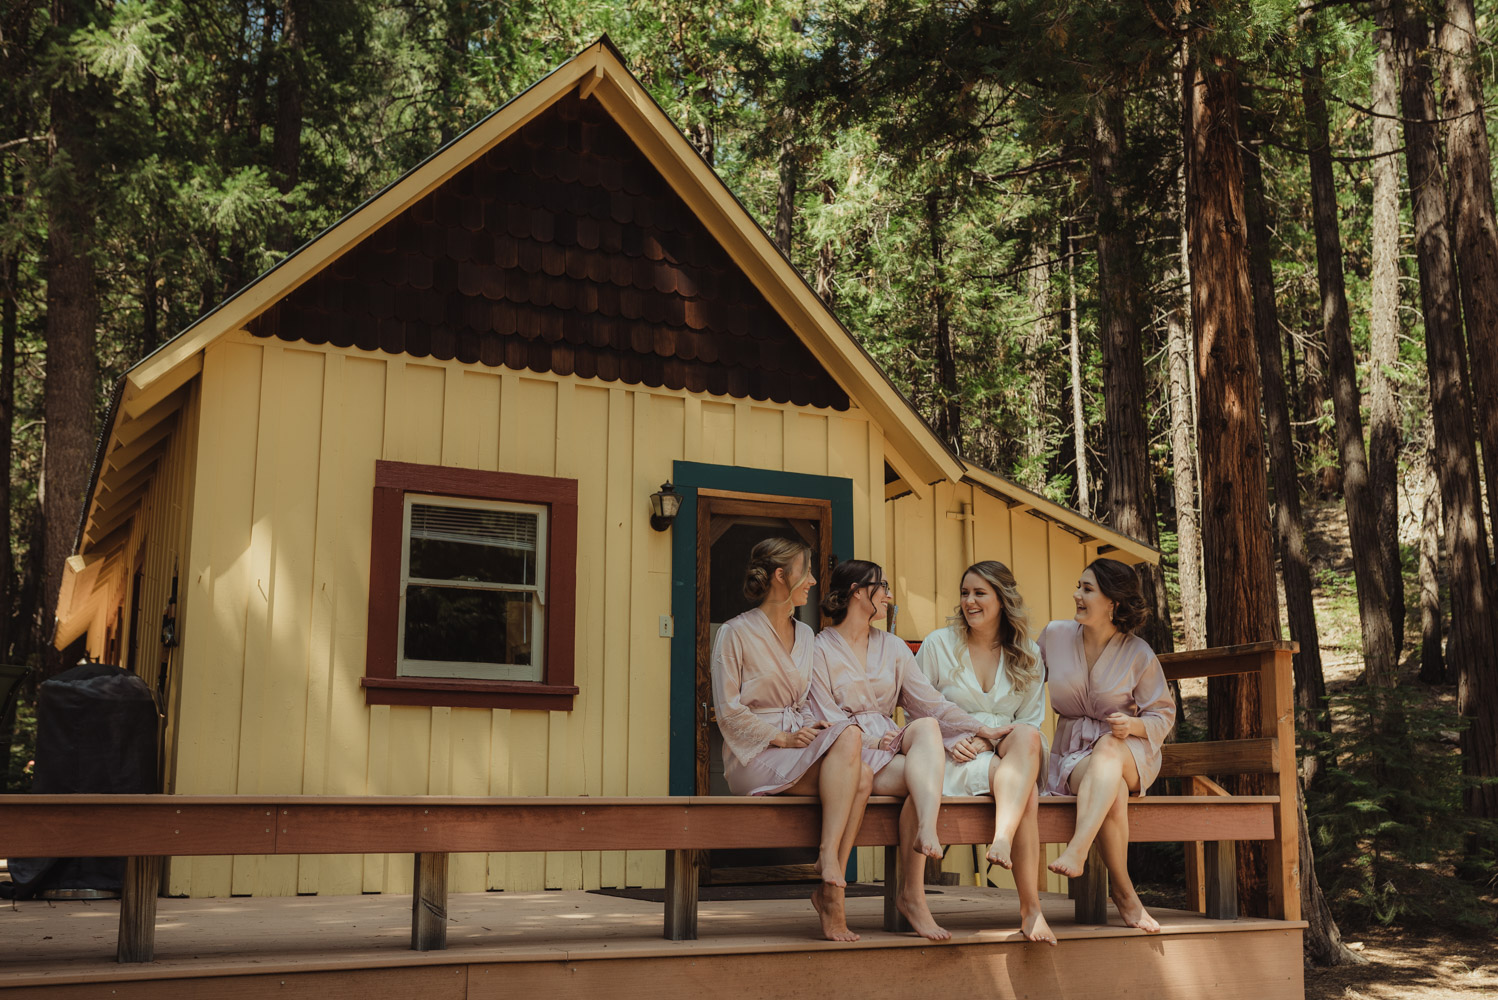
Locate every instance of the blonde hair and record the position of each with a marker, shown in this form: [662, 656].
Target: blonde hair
[1021, 665]
[766, 557]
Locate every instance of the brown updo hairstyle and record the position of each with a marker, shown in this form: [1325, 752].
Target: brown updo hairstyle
[1120, 584]
[846, 578]
[1021, 665]
[768, 556]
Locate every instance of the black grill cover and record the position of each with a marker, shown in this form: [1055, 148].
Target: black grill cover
[95, 733]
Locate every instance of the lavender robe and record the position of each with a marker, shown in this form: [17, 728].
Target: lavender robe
[759, 692]
[868, 692]
[1126, 678]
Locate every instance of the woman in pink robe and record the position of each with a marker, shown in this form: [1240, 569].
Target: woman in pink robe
[863, 673]
[1113, 711]
[776, 739]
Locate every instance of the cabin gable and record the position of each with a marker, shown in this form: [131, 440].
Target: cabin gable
[562, 249]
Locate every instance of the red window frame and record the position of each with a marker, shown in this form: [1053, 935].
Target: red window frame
[393, 481]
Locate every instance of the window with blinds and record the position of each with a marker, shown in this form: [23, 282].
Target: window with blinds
[473, 589]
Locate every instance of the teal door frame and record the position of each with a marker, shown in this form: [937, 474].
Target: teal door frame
[689, 477]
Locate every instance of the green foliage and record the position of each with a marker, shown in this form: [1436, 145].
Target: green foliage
[1386, 817]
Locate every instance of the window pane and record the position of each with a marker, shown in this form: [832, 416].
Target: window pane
[469, 626]
[470, 544]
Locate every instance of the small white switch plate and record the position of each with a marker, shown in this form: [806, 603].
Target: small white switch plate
[668, 628]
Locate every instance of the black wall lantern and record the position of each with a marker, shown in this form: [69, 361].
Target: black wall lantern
[664, 506]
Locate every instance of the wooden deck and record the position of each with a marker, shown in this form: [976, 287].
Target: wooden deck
[581, 944]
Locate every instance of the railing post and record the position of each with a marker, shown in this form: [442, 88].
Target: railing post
[1221, 865]
[137, 938]
[429, 903]
[1276, 684]
[681, 895]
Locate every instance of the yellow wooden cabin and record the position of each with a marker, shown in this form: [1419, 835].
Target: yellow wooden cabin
[506, 353]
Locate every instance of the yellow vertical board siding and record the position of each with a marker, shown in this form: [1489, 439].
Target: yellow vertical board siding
[915, 587]
[564, 869]
[278, 618]
[848, 457]
[657, 442]
[991, 528]
[765, 431]
[618, 531]
[1068, 557]
[218, 579]
[948, 549]
[354, 424]
[805, 444]
[1031, 563]
[717, 439]
[584, 457]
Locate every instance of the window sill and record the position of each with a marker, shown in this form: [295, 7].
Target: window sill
[468, 693]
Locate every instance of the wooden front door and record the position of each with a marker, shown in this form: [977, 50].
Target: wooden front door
[729, 525]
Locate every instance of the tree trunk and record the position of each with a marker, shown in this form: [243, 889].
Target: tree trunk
[1041, 331]
[1383, 320]
[70, 393]
[1323, 939]
[827, 255]
[1472, 643]
[1434, 669]
[949, 412]
[1289, 523]
[1235, 529]
[1182, 441]
[1079, 422]
[286, 150]
[1380, 655]
[9, 328]
[1313, 384]
[1475, 227]
[785, 196]
[1131, 493]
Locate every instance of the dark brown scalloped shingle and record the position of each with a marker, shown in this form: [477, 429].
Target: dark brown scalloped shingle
[561, 250]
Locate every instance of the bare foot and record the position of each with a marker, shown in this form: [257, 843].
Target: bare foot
[1068, 864]
[829, 906]
[1135, 915]
[1034, 928]
[927, 843]
[830, 871]
[998, 853]
[915, 910]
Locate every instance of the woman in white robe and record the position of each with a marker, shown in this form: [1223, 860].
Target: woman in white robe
[776, 739]
[985, 663]
[863, 674]
[1113, 710]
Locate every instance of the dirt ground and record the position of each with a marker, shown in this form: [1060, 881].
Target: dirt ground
[1405, 966]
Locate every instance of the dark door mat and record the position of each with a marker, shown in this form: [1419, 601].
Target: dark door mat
[734, 893]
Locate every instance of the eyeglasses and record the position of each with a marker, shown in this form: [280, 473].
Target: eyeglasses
[879, 584]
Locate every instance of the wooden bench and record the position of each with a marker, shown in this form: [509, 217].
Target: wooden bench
[147, 828]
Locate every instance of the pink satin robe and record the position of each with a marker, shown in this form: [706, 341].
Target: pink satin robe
[868, 692]
[1126, 678]
[759, 692]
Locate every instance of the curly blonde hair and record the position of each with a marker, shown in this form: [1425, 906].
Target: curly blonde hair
[1021, 665]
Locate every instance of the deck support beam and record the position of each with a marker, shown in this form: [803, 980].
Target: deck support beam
[894, 920]
[1091, 894]
[1220, 867]
[137, 938]
[681, 895]
[429, 903]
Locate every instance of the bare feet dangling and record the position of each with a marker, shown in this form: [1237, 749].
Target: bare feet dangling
[928, 843]
[914, 909]
[998, 853]
[1135, 915]
[829, 906]
[1067, 864]
[1034, 928]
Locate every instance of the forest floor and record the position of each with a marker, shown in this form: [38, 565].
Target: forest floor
[1405, 962]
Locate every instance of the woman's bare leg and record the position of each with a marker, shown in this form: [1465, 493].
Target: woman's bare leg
[1012, 779]
[1095, 782]
[911, 901]
[838, 779]
[925, 763]
[1113, 841]
[1027, 872]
